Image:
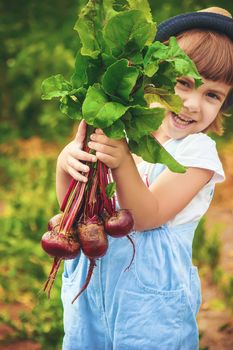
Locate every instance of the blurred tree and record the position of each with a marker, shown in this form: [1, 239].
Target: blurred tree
[36, 41]
[167, 9]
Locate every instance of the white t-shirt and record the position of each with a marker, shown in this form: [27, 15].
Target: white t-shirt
[197, 150]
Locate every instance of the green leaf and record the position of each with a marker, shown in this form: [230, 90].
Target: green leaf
[141, 121]
[143, 5]
[110, 189]
[151, 68]
[139, 95]
[170, 101]
[119, 79]
[153, 152]
[157, 52]
[90, 25]
[98, 111]
[128, 32]
[116, 130]
[165, 78]
[87, 71]
[108, 60]
[71, 108]
[79, 94]
[80, 77]
[108, 9]
[55, 86]
[87, 28]
[120, 5]
[136, 58]
[185, 68]
[177, 62]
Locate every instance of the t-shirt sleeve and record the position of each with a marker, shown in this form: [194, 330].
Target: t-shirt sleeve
[199, 150]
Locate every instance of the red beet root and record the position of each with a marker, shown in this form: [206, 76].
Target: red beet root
[54, 222]
[119, 224]
[94, 244]
[92, 237]
[71, 231]
[59, 245]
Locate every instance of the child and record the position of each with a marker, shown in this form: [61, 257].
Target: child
[154, 305]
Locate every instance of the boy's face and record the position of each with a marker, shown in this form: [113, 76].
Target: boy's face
[200, 107]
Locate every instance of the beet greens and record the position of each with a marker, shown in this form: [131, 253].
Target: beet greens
[119, 70]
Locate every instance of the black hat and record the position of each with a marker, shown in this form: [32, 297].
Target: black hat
[213, 18]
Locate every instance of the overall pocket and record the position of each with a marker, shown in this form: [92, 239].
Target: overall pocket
[72, 279]
[154, 268]
[70, 269]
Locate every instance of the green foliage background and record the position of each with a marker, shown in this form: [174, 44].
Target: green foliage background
[37, 41]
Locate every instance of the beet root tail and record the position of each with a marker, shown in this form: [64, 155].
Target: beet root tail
[52, 275]
[134, 251]
[88, 278]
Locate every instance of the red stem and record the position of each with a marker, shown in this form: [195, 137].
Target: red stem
[89, 274]
[74, 211]
[113, 199]
[108, 179]
[103, 183]
[92, 200]
[130, 239]
[71, 187]
[52, 275]
[72, 194]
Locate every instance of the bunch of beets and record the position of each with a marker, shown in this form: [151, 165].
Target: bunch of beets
[89, 216]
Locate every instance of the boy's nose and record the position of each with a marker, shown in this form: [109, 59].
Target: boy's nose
[192, 103]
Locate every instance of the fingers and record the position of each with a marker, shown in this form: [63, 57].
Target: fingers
[99, 131]
[81, 133]
[102, 138]
[83, 156]
[77, 169]
[102, 148]
[76, 175]
[106, 159]
[73, 159]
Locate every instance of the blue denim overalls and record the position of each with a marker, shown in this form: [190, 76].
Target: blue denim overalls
[151, 306]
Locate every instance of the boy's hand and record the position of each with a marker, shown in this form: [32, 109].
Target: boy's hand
[71, 156]
[112, 153]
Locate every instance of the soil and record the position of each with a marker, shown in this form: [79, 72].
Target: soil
[13, 310]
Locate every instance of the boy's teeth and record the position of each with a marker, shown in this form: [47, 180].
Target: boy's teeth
[182, 121]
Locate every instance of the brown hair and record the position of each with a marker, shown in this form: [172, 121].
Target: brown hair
[212, 53]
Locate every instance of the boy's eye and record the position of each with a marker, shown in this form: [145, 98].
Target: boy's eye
[213, 95]
[183, 82]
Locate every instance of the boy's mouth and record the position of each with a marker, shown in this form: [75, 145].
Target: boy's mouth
[182, 120]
